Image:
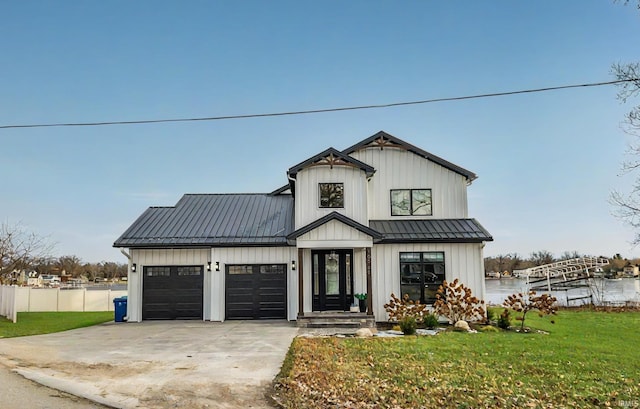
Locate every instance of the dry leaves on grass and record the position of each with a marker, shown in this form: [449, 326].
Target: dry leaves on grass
[355, 373]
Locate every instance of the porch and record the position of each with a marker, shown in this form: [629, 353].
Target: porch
[320, 307]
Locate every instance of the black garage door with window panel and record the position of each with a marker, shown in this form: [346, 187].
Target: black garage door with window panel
[256, 291]
[172, 292]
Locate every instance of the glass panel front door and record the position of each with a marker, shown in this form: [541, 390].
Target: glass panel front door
[332, 280]
[332, 274]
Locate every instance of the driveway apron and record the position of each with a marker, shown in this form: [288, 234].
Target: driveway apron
[158, 364]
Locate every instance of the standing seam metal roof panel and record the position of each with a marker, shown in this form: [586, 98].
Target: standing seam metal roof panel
[231, 219]
[431, 230]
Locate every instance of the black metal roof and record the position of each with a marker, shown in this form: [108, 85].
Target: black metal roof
[339, 217]
[281, 190]
[214, 220]
[431, 230]
[382, 139]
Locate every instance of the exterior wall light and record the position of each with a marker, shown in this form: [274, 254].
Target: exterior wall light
[217, 266]
[293, 265]
[208, 266]
[133, 267]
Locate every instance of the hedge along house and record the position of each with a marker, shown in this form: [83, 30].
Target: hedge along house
[379, 217]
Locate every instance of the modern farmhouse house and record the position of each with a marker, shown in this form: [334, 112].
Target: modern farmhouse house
[379, 217]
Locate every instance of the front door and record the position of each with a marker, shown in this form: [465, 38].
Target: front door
[332, 280]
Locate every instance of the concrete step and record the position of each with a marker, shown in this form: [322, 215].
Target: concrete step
[337, 320]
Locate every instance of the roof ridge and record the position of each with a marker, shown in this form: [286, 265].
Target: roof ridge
[227, 194]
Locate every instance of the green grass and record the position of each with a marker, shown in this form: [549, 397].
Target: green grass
[36, 323]
[587, 359]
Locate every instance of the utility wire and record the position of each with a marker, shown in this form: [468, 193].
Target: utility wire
[318, 111]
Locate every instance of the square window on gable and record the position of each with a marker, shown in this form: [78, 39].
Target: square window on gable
[331, 194]
[411, 202]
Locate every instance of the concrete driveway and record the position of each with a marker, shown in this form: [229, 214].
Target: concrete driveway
[167, 364]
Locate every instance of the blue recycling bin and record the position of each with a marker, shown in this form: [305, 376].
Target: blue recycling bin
[120, 308]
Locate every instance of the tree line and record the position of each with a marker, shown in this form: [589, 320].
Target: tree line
[21, 250]
[513, 261]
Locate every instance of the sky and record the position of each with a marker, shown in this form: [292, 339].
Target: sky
[546, 162]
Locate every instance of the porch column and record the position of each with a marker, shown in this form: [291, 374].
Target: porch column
[300, 285]
[369, 283]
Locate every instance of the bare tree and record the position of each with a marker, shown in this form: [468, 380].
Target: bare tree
[627, 204]
[71, 265]
[514, 262]
[568, 255]
[19, 249]
[541, 257]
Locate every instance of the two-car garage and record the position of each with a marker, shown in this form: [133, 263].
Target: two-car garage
[252, 291]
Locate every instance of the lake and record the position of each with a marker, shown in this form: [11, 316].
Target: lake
[613, 291]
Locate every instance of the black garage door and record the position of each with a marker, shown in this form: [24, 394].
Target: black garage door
[172, 292]
[256, 291]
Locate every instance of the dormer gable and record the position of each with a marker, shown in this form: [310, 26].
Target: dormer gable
[331, 157]
[330, 181]
[382, 140]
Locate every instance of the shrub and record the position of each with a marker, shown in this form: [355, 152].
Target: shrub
[490, 315]
[504, 319]
[454, 301]
[408, 325]
[430, 321]
[544, 303]
[488, 328]
[399, 309]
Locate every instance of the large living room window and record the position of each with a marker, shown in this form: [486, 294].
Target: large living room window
[421, 274]
[331, 194]
[411, 202]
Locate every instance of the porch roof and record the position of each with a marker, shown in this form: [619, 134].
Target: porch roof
[339, 217]
[431, 230]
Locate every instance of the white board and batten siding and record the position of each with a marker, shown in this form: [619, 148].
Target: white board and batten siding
[163, 257]
[334, 235]
[400, 169]
[307, 203]
[250, 255]
[462, 260]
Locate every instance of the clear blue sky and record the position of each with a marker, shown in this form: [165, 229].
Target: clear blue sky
[546, 162]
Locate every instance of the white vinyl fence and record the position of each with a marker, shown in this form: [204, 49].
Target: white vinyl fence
[14, 299]
[8, 302]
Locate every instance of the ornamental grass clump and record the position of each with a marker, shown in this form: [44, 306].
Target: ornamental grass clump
[430, 321]
[455, 302]
[544, 303]
[504, 319]
[408, 325]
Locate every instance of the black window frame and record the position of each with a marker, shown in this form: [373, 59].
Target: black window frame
[428, 278]
[329, 205]
[411, 202]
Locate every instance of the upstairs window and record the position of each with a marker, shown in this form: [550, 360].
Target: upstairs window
[331, 194]
[411, 202]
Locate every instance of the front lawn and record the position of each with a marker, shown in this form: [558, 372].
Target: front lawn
[35, 323]
[588, 359]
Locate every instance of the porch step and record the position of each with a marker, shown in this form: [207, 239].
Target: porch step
[336, 320]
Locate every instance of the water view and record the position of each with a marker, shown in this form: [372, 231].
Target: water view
[616, 291]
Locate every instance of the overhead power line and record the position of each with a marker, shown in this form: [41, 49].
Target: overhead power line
[318, 111]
